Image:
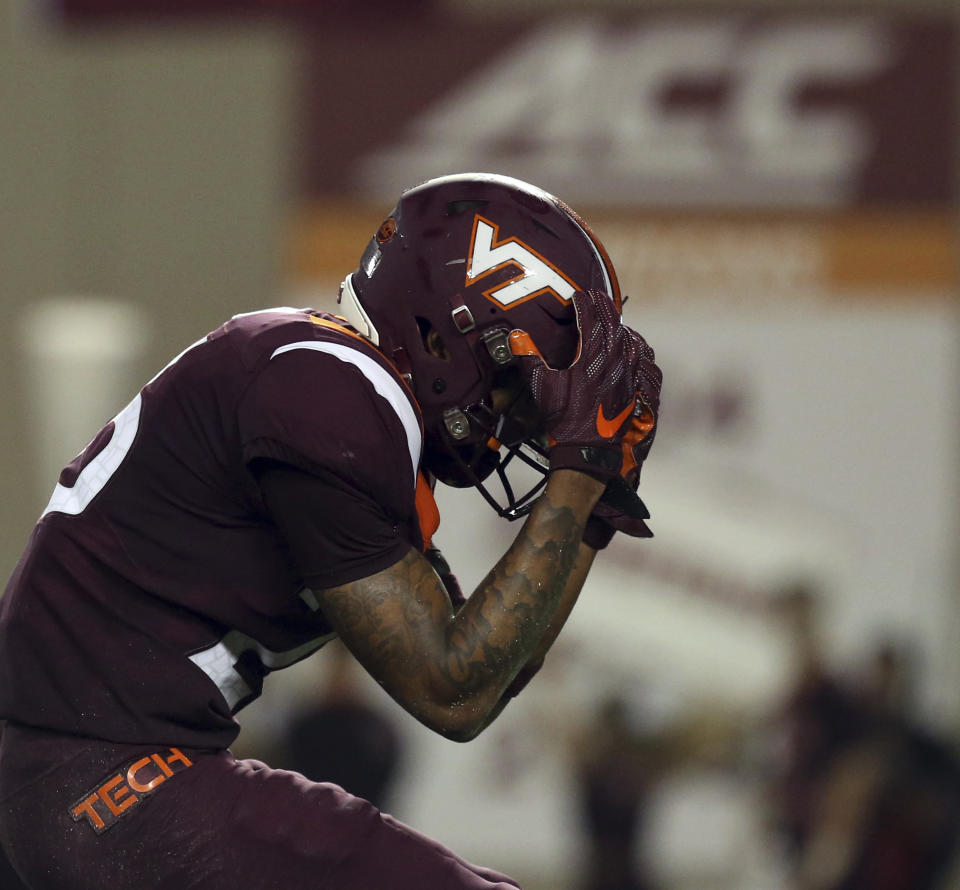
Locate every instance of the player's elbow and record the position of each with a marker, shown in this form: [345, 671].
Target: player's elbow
[457, 709]
[466, 716]
[463, 733]
[459, 721]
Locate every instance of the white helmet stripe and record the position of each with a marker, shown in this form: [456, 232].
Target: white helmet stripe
[601, 261]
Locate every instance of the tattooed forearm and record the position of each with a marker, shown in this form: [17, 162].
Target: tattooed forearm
[383, 617]
[501, 624]
[450, 670]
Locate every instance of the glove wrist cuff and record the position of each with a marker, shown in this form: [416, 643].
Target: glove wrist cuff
[597, 533]
[601, 463]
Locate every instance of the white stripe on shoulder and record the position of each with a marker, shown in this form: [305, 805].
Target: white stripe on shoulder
[276, 310]
[382, 381]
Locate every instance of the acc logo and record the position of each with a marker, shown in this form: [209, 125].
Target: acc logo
[535, 275]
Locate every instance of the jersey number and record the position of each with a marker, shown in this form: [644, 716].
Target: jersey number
[75, 498]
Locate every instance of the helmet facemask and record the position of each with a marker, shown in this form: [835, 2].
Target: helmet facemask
[506, 435]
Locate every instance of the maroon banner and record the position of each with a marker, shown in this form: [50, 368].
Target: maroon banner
[718, 110]
[657, 109]
[99, 12]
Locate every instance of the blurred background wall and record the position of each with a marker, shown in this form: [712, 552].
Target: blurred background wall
[777, 186]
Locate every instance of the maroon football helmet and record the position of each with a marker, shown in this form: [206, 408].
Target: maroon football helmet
[459, 263]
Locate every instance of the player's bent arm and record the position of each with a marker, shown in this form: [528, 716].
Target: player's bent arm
[450, 670]
[567, 601]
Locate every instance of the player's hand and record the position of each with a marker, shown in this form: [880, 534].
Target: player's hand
[600, 412]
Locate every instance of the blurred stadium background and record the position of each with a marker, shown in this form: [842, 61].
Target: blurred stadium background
[777, 185]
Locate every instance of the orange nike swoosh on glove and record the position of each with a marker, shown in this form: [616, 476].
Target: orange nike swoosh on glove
[608, 428]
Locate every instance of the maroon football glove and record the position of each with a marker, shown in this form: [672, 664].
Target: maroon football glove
[601, 411]
[619, 510]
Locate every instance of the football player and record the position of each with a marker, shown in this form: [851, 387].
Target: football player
[272, 488]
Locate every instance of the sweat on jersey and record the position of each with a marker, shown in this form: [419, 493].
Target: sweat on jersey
[158, 587]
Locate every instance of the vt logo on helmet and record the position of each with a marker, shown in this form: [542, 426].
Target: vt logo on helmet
[535, 275]
[459, 263]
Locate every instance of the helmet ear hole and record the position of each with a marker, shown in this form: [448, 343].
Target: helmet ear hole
[432, 341]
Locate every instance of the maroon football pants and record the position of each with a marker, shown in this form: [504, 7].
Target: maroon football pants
[78, 814]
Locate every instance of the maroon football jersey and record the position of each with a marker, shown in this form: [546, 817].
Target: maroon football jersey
[156, 590]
